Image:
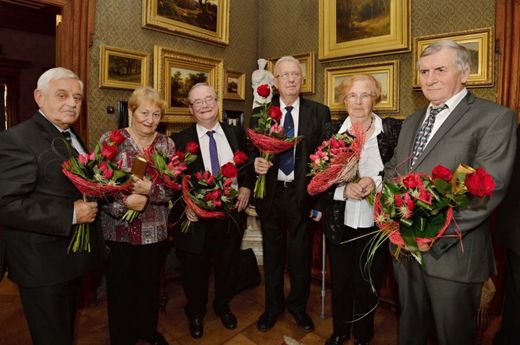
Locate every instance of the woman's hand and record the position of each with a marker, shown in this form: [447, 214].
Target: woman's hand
[243, 198]
[136, 202]
[141, 186]
[262, 165]
[353, 191]
[367, 185]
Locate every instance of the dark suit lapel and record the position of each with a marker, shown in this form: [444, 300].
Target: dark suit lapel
[305, 129]
[231, 137]
[452, 119]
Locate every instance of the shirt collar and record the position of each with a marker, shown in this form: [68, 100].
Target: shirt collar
[295, 105]
[58, 128]
[201, 131]
[454, 100]
[378, 124]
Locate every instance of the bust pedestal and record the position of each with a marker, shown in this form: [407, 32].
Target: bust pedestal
[253, 236]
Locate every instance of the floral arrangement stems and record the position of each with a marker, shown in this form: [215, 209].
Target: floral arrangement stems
[80, 241]
[259, 191]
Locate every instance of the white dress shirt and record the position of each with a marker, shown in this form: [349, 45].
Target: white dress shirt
[359, 213]
[443, 115]
[295, 112]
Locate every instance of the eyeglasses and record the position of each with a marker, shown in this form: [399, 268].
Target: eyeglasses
[286, 76]
[353, 97]
[210, 100]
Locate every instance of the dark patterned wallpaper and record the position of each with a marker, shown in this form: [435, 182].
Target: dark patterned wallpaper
[268, 28]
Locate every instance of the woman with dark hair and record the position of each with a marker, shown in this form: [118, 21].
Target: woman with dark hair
[348, 215]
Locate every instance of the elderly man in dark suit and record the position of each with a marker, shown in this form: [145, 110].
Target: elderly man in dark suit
[462, 129]
[215, 241]
[285, 209]
[39, 205]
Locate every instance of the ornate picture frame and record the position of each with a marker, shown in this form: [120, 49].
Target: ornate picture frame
[122, 68]
[307, 61]
[208, 22]
[387, 73]
[480, 44]
[348, 30]
[175, 73]
[234, 117]
[234, 85]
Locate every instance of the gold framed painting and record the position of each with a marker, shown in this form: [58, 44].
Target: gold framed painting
[480, 45]
[206, 21]
[307, 63]
[175, 73]
[349, 28]
[387, 73]
[122, 68]
[234, 85]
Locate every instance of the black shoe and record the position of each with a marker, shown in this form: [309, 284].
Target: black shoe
[303, 320]
[336, 339]
[357, 342]
[196, 327]
[229, 320]
[157, 339]
[266, 321]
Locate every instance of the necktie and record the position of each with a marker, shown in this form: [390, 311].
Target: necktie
[287, 158]
[66, 135]
[213, 153]
[424, 133]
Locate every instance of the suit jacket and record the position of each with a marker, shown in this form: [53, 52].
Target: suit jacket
[311, 124]
[36, 206]
[193, 240]
[508, 225]
[334, 210]
[479, 133]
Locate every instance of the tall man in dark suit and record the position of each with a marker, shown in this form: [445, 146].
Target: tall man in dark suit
[39, 205]
[284, 211]
[468, 130]
[209, 241]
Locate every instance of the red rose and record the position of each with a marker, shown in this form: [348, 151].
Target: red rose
[192, 147]
[109, 151]
[179, 155]
[275, 113]
[229, 170]
[441, 172]
[412, 181]
[116, 137]
[480, 183]
[239, 158]
[263, 90]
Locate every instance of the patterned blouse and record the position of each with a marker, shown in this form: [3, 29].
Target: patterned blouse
[151, 225]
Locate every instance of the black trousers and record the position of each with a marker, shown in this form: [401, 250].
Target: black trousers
[221, 251]
[509, 333]
[287, 226]
[133, 278]
[354, 301]
[50, 312]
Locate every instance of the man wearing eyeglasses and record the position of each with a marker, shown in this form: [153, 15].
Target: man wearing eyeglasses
[285, 210]
[211, 240]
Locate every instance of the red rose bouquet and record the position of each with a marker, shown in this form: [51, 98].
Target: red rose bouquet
[335, 160]
[269, 136]
[417, 209]
[95, 175]
[166, 170]
[212, 196]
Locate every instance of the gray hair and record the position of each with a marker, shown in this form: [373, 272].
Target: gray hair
[56, 73]
[286, 58]
[199, 85]
[462, 59]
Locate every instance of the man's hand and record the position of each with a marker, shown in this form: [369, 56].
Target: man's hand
[85, 211]
[262, 165]
[243, 198]
[141, 186]
[191, 215]
[136, 202]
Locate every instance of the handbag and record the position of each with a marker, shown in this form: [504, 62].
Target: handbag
[248, 274]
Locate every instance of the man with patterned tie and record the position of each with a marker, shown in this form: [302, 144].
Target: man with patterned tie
[39, 205]
[208, 241]
[455, 128]
[285, 210]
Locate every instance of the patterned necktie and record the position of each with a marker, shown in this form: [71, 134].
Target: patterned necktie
[287, 158]
[424, 133]
[213, 153]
